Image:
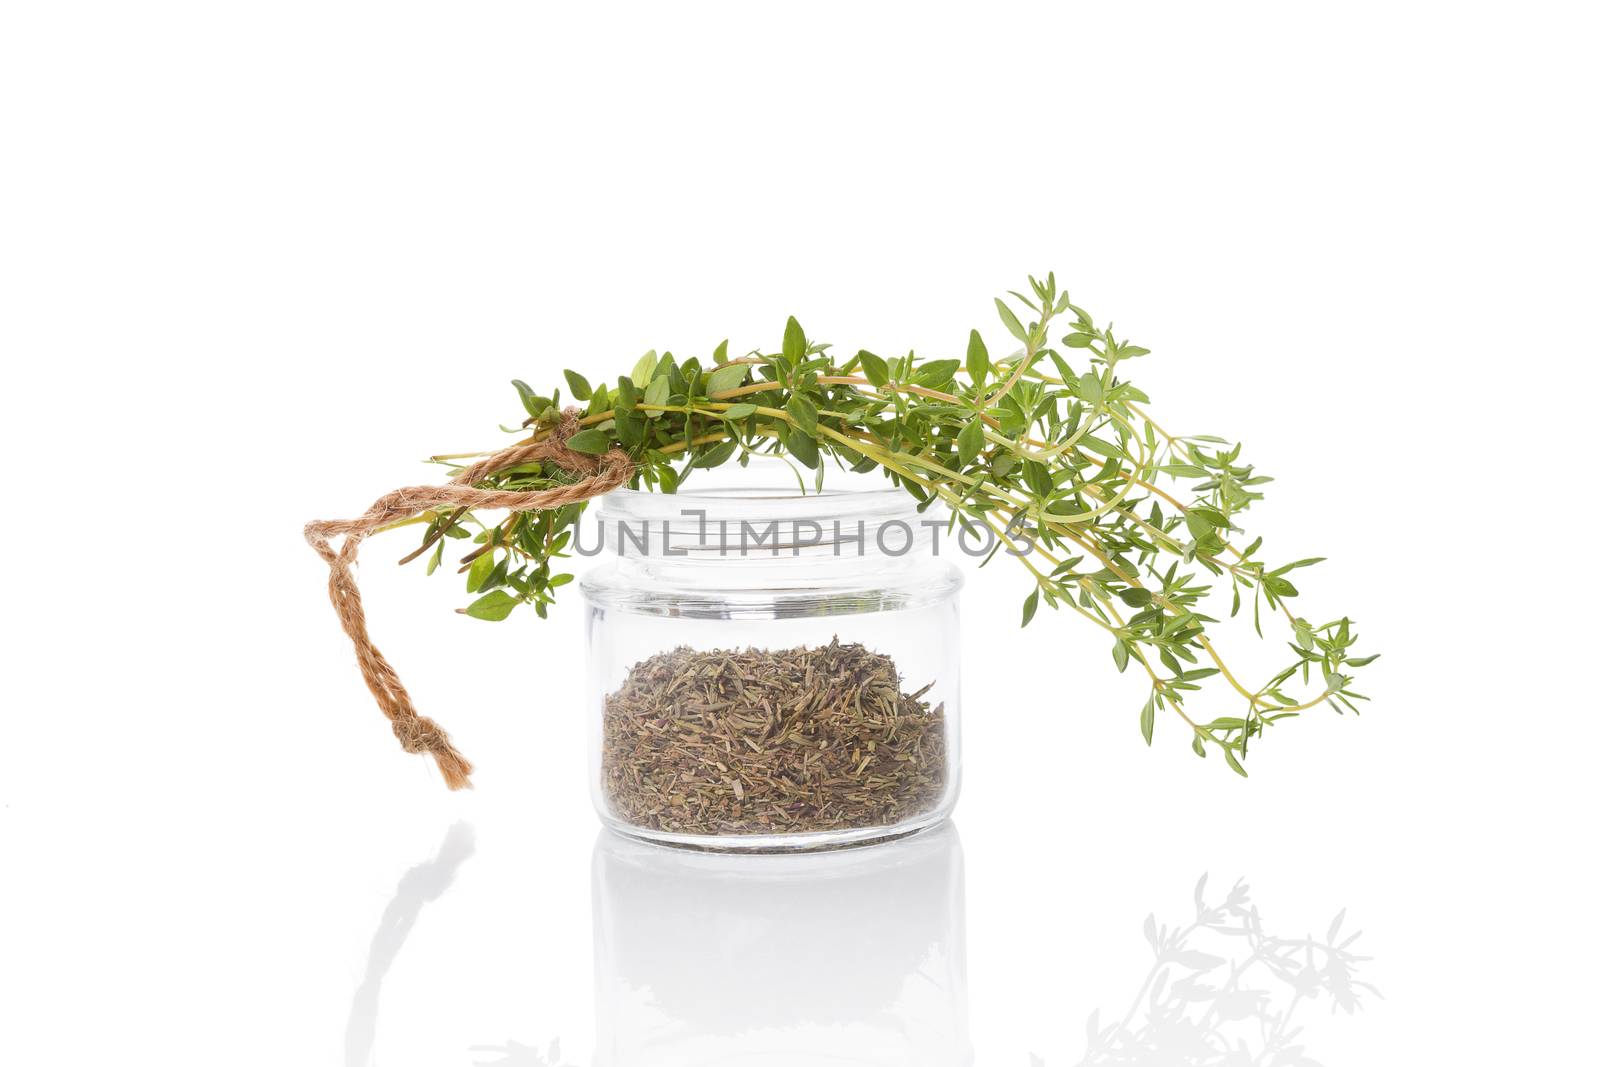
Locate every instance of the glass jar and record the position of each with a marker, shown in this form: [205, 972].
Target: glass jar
[772, 670]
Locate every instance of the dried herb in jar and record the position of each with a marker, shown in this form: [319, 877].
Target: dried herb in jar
[775, 741]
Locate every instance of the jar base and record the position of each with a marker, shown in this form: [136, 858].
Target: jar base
[781, 844]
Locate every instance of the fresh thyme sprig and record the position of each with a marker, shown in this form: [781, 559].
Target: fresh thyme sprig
[1049, 448]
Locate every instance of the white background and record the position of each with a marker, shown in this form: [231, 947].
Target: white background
[256, 260]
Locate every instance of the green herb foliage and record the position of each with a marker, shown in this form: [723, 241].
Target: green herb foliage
[1050, 448]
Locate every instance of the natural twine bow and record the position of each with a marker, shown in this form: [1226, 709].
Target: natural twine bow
[418, 733]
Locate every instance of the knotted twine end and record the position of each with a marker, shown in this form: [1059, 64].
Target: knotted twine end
[418, 733]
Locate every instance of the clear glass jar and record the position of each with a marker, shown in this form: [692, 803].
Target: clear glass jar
[771, 670]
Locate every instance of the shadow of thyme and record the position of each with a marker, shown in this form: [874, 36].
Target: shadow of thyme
[1224, 991]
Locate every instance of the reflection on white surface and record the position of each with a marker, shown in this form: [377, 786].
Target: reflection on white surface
[516, 1054]
[858, 957]
[425, 882]
[1224, 991]
[851, 957]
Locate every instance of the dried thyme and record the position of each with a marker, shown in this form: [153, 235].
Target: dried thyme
[770, 741]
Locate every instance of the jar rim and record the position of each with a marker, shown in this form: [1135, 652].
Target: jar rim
[737, 510]
[758, 501]
[758, 521]
[766, 487]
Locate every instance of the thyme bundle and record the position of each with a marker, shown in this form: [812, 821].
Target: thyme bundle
[1047, 447]
[770, 741]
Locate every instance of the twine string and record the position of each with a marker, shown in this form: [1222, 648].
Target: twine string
[418, 733]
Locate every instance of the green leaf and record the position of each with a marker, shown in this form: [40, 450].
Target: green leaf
[1287, 567]
[1030, 605]
[590, 442]
[876, 370]
[803, 446]
[1037, 475]
[1304, 638]
[1089, 388]
[531, 401]
[977, 359]
[1119, 655]
[1280, 587]
[478, 573]
[645, 369]
[627, 394]
[1147, 719]
[492, 606]
[803, 412]
[578, 384]
[739, 411]
[1233, 761]
[714, 456]
[1063, 368]
[630, 429]
[1094, 444]
[969, 441]
[657, 392]
[1135, 597]
[724, 378]
[936, 372]
[1078, 340]
[794, 342]
[1010, 321]
[720, 353]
